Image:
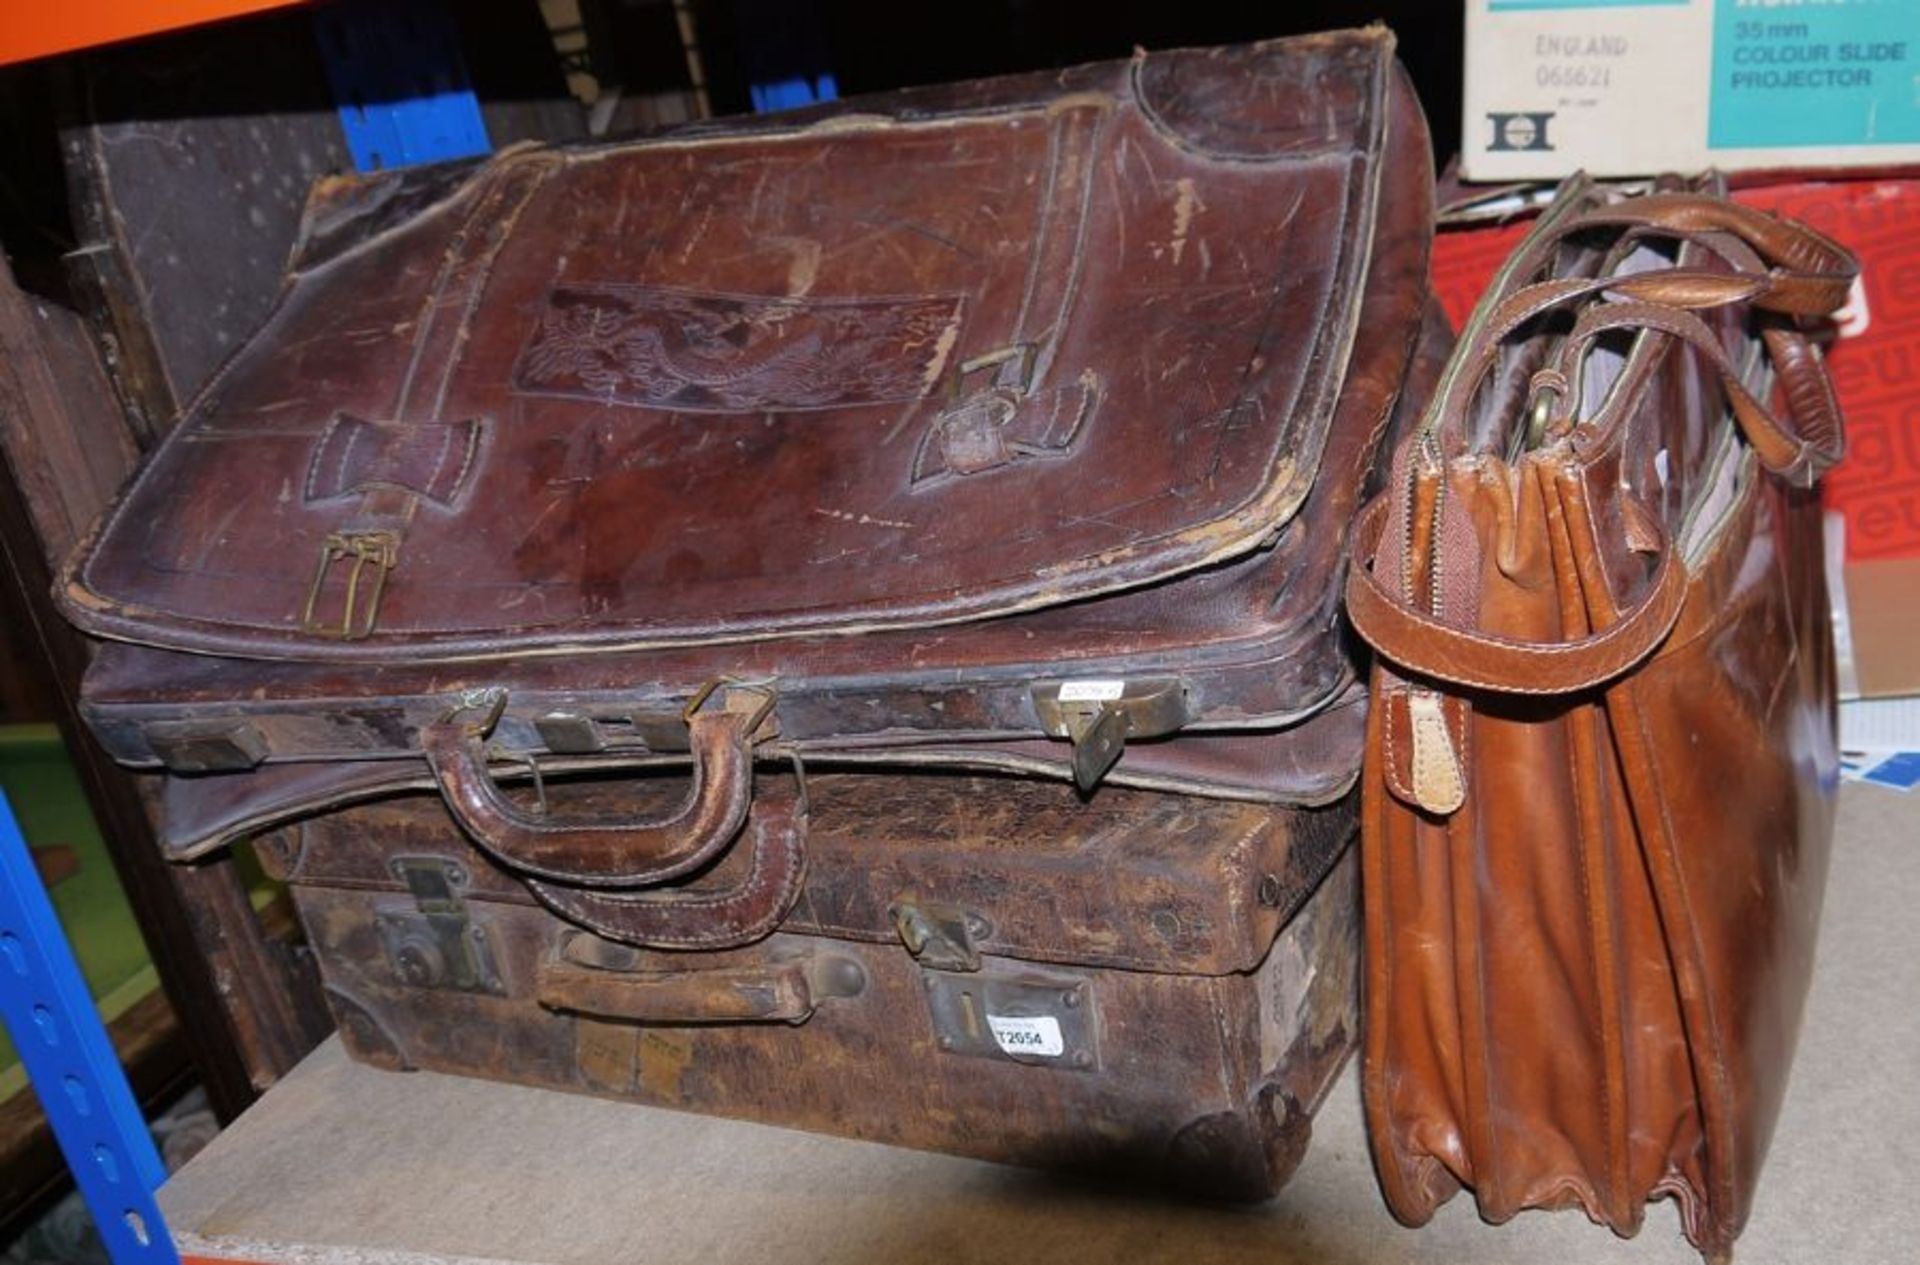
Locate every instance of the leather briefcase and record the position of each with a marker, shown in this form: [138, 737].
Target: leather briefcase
[1028, 411]
[1601, 752]
[1145, 984]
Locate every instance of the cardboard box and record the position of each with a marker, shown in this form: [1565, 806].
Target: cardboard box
[1637, 87]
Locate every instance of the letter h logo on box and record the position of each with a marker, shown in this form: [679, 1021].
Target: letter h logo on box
[1526, 130]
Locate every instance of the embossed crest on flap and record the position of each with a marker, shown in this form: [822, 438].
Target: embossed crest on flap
[732, 353]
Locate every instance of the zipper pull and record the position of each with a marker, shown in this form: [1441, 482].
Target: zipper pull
[1439, 786]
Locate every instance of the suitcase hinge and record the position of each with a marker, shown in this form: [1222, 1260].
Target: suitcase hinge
[436, 943]
[1098, 716]
[369, 555]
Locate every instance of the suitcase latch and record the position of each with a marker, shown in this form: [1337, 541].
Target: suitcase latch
[940, 937]
[436, 943]
[1099, 715]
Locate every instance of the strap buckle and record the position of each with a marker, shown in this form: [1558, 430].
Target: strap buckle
[369, 554]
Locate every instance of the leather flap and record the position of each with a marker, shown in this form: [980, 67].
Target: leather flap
[930, 357]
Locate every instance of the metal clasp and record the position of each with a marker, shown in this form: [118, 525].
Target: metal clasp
[436, 942]
[761, 697]
[1548, 389]
[489, 700]
[941, 937]
[1098, 716]
[378, 550]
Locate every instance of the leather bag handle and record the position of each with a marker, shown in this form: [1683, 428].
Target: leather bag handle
[1684, 288]
[1797, 449]
[618, 852]
[1811, 273]
[776, 993]
[719, 918]
[1422, 644]
[784, 990]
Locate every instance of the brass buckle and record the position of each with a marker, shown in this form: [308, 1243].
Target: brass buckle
[378, 550]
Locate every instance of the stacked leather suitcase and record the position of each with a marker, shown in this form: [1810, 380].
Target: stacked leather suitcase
[829, 618]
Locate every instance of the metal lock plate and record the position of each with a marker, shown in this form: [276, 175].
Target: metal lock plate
[434, 943]
[1030, 1017]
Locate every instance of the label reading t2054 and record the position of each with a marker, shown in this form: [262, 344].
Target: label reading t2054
[1021, 1034]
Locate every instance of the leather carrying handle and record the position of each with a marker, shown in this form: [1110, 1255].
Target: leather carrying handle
[776, 993]
[625, 852]
[785, 990]
[1810, 272]
[1797, 447]
[716, 918]
[1422, 644]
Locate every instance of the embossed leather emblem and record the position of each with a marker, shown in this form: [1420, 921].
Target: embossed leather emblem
[731, 353]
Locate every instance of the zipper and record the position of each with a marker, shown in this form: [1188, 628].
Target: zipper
[1433, 748]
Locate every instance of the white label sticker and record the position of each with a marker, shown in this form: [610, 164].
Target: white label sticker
[1019, 1034]
[1092, 691]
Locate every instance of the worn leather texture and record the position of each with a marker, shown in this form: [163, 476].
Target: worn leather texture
[1601, 753]
[1310, 765]
[1198, 961]
[892, 363]
[1250, 642]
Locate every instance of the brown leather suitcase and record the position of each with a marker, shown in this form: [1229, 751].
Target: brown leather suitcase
[964, 421]
[1007, 426]
[1599, 794]
[1145, 984]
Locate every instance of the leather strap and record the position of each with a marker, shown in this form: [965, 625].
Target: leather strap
[1426, 647]
[717, 919]
[1675, 287]
[1799, 449]
[774, 992]
[1812, 273]
[625, 852]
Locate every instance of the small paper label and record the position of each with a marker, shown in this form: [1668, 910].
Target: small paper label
[1092, 691]
[1019, 1034]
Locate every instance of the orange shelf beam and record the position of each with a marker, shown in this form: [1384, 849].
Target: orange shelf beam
[38, 28]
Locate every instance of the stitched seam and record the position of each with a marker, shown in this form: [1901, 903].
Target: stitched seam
[1394, 780]
[1720, 1173]
[1494, 644]
[669, 912]
[340, 470]
[309, 491]
[432, 481]
[472, 448]
[1597, 1024]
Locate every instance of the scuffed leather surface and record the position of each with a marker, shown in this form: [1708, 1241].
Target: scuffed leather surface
[1584, 985]
[726, 383]
[1258, 641]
